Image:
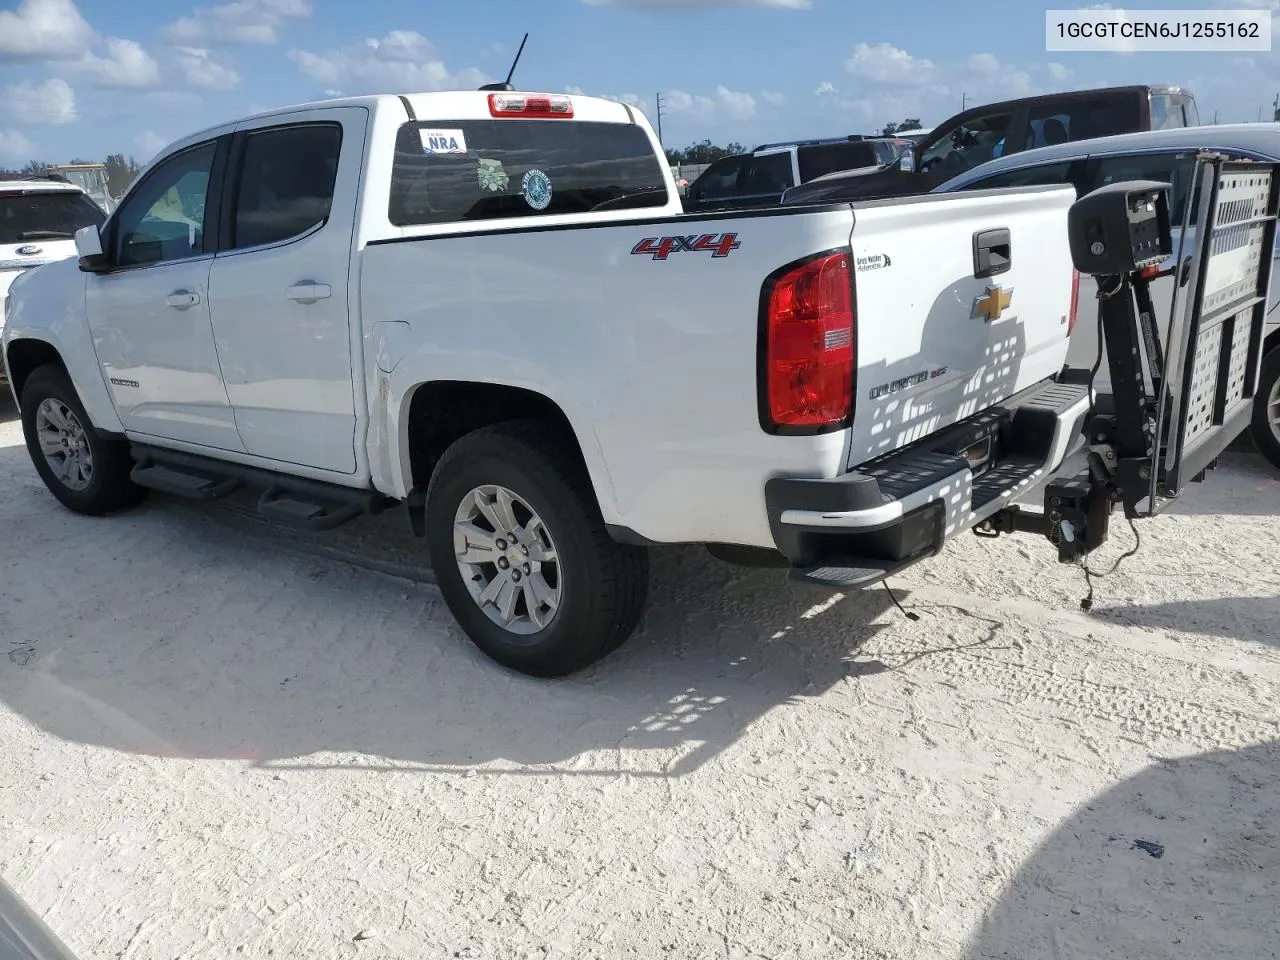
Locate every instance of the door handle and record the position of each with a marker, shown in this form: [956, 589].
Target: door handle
[182, 299]
[992, 253]
[308, 292]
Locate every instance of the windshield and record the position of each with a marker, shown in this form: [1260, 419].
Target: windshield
[46, 215]
[453, 171]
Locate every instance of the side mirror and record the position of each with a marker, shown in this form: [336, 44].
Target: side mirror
[89, 247]
[907, 162]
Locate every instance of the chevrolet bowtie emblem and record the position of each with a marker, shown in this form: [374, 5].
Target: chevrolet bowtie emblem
[993, 303]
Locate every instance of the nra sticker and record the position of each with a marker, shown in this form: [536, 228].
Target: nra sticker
[536, 188]
[443, 141]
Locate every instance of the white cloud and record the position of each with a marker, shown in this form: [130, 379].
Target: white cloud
[740, 106]
[52, 102]
[678, 101]
[983, 64]
[888, 65]
[679, 6]
[201, 69]
[150, 143]
[1058, 71]
[825, 89]
[773, 99]
[126, 64]
[242, 21]
[15, 147]
[44, 30]
[403, 60]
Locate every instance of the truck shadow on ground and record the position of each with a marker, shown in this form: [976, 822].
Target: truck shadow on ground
[1181, 860]
[171, 635]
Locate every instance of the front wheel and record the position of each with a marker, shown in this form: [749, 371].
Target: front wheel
[521, 553]
[1265, 428]
[86, 471]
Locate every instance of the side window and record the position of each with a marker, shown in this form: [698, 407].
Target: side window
[1166, 112]
[164, 218]
[1041, 176]
[973, 142]
[1190, 112]
[718, 180]
[1172, 168]
[770, 173]
[819, 160]
[1045, 129]
[286, 183]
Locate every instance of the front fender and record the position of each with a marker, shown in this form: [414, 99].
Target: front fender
[393, 394]
[47, 304]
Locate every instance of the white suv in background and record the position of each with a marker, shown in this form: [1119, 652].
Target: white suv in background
[38, 221]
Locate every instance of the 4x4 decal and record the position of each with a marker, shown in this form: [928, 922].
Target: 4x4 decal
[660, 248]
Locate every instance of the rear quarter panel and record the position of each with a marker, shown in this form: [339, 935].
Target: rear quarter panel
[653, 360]
[916, 292]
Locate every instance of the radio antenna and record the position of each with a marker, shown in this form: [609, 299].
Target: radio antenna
[506, 84]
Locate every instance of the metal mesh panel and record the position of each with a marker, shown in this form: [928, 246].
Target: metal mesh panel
[1239, 363]
[1204, 383]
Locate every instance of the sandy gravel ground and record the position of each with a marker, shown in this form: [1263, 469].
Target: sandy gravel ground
[217, 743]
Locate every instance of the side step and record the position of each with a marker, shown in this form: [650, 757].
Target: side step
[848, 573]
[294, 502]
[182, 483]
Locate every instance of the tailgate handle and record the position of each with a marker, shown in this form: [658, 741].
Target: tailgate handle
[992, 253]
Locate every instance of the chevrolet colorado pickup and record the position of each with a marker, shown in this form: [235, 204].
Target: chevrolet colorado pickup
[490, 311]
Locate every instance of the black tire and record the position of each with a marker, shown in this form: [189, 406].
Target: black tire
[1264, 434]
[603, 584]
[109, 487]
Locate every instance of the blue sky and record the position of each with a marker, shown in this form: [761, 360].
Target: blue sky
[88, 77]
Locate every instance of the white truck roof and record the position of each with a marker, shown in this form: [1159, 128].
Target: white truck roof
[38, 183]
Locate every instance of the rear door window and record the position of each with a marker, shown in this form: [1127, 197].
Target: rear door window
[820, 159]
[27, 216]
[768, 174]
[461, 171]
[1039, 176]
[1062, 121]
[286, 183]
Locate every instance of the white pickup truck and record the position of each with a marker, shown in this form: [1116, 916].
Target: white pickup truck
[490, 309]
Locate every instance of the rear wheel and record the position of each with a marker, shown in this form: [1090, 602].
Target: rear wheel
[521, 553]
[87, 472]
[1266, 409]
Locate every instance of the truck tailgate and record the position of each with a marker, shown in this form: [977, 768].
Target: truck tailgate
[936, 342]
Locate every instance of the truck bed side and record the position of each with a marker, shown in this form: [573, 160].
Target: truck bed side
[651, 356]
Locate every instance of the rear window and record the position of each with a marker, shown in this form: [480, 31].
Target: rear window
[461, 171]
[45, 215]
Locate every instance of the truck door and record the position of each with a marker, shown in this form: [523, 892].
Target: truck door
[149, 313]
[278, 286]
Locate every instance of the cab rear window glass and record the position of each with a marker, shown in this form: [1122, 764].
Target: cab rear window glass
[45, 215]
[459, 171]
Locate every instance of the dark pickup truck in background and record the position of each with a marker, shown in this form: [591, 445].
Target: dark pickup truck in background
[759, 178]
[997, 129]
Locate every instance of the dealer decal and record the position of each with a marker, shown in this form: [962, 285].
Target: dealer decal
[719, 245]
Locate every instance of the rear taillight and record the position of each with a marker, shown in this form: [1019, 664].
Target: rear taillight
[1075, 302]
[530, 105]
[807, 365]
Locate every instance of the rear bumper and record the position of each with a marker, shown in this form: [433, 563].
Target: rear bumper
[897, 510]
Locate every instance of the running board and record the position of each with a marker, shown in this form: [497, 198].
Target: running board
[293, 502]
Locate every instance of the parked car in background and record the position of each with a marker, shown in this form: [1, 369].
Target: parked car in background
[994, 130]
[761, 177]
[38, 222]
[1166, 155]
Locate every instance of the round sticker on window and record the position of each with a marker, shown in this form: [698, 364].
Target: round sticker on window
[536, 187]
